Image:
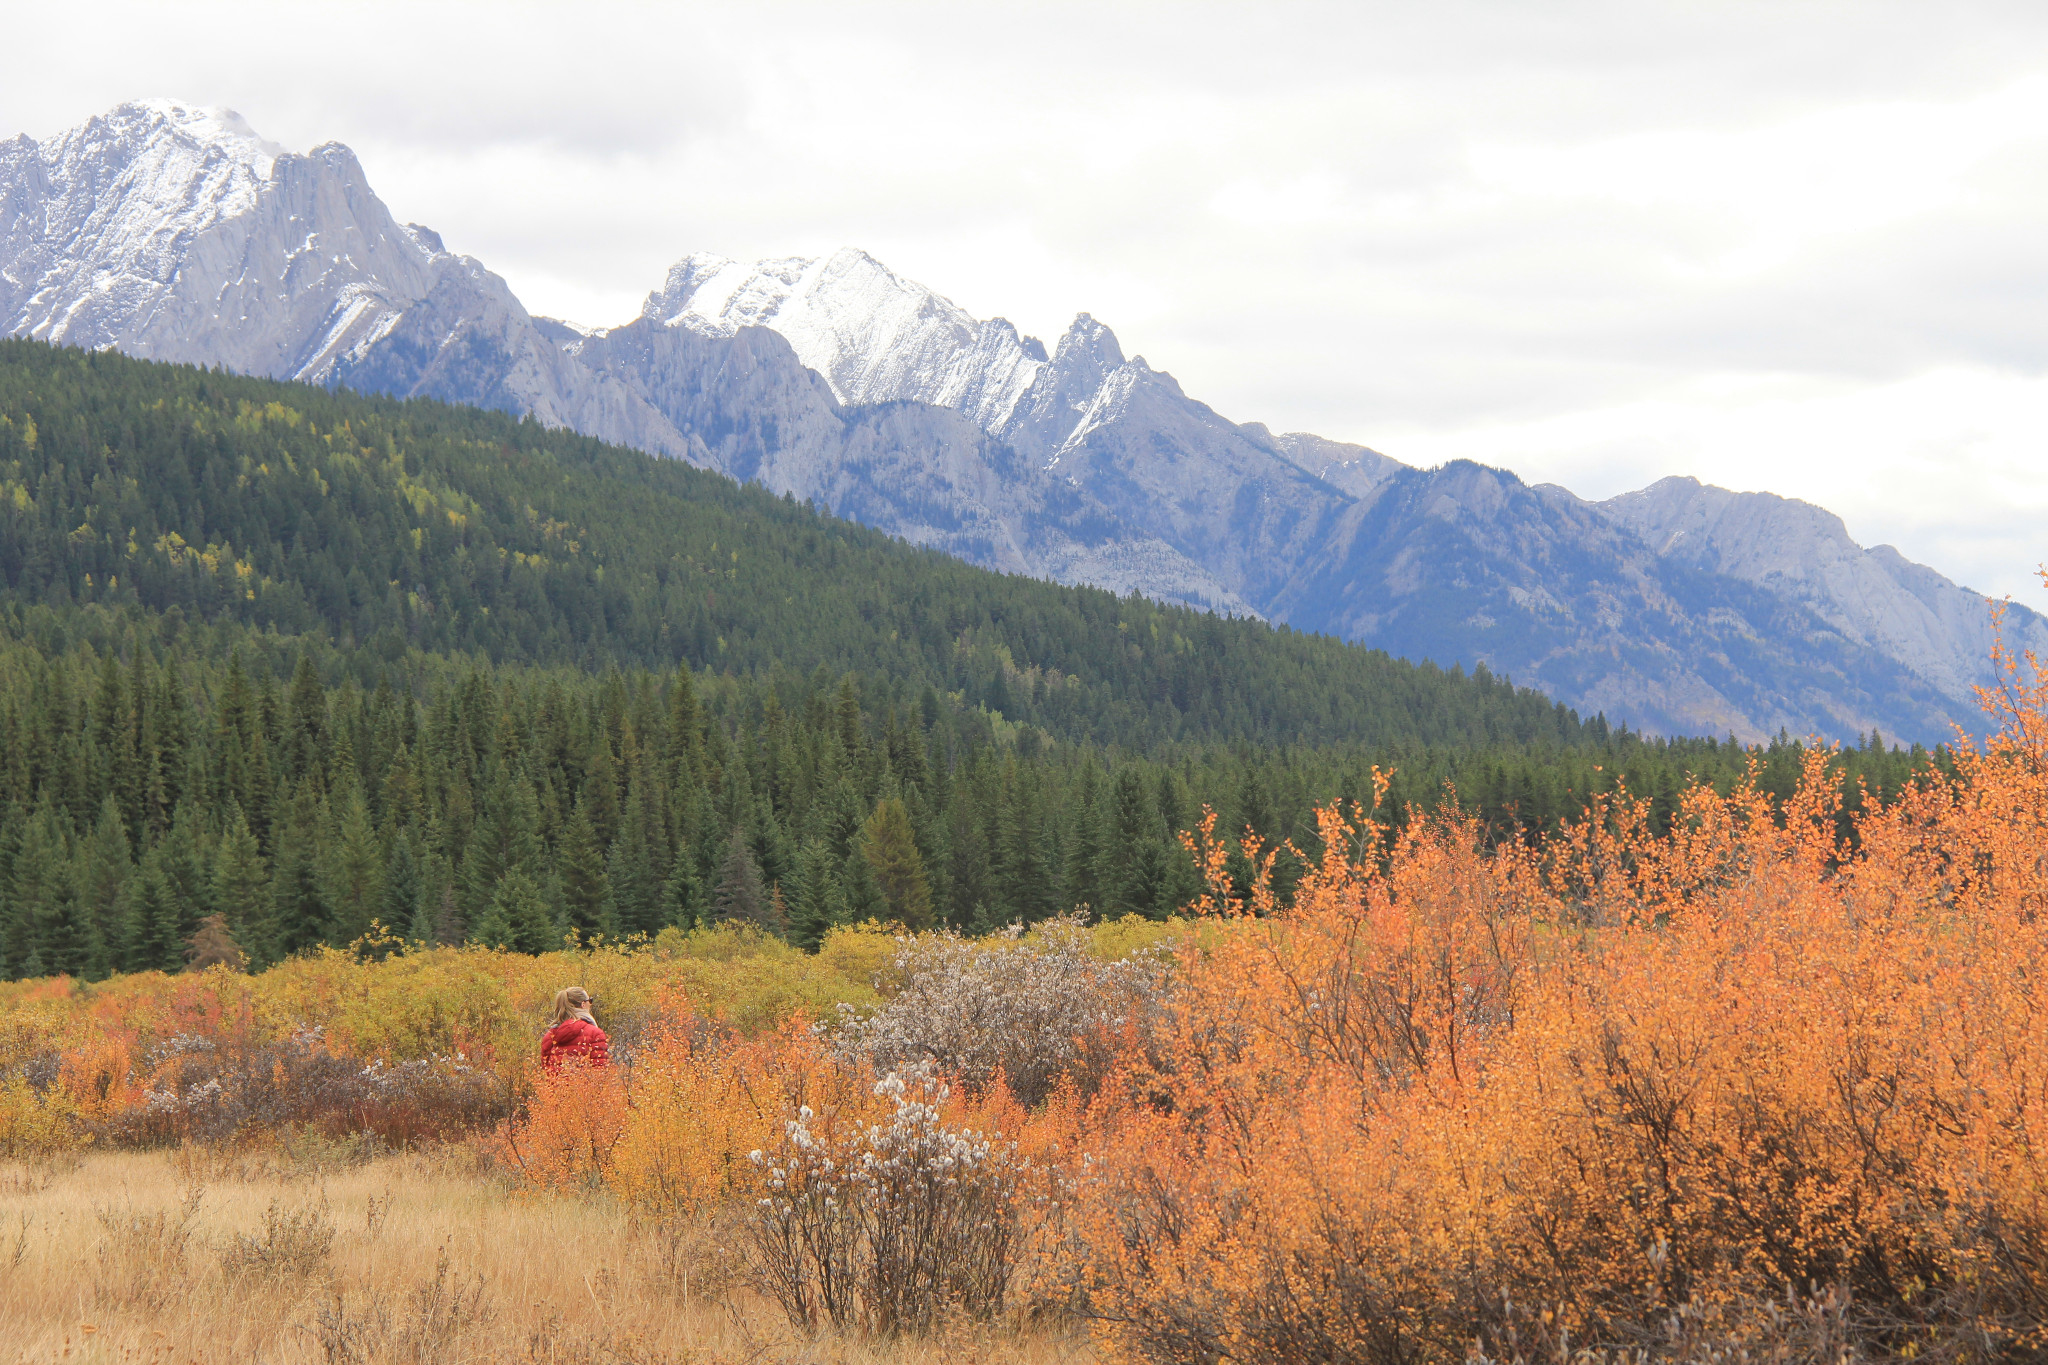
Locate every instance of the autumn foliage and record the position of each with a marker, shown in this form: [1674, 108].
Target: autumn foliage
[1751, 1086]
[1775, 1082]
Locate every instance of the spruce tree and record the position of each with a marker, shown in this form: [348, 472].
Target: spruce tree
[185, 863]
[37, 892]
[440, 905]
[1024, 883]
[740, 897]
[581, 863]
[1134, 848]
[103, 889]
[810, 895]
[62, 941]
[633, 897]
[858, 898]
[890, 849]
[305, 749]
[402, 904]
[299, 905]
[156, 937]
[1084, 849]
[241, 885]
[517, 917]
[682, 895]
[352, 872]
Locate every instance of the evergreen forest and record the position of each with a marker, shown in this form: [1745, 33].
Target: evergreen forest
[283, 667]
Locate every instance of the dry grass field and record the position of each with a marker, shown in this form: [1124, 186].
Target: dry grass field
[312, 1254]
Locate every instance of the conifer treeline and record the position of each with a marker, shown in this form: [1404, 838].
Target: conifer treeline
[140, 795]
[307, 661]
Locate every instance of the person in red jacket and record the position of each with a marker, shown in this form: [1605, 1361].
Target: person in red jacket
[575, 1035]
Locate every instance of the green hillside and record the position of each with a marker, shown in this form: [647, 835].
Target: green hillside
[308, 661]
[394, 525]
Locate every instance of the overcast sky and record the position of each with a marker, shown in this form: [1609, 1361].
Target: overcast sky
[1798, 248]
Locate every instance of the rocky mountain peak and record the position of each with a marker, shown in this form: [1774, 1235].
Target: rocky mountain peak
[140, 124]
[1089, 346]
[875, 336]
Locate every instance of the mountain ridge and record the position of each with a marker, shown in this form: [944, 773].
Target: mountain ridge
[175, 232]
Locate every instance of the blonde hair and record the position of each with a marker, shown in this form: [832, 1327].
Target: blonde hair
[573, 1003]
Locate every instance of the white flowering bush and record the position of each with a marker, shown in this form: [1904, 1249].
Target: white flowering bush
[1022, 1009]
[888, 1226]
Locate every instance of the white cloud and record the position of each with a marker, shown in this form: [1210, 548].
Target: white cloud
[1785, 246]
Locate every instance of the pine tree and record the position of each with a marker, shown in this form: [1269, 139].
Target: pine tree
[632, 897]
[890, 848]
[103, 890]
[352, 873]
[740, 897]
[156, 937]
[516, 918]
[581, 862]
[403, 905]
[241, 885]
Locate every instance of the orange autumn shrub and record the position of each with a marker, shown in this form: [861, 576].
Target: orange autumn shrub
[408, 1045]
[670, 1130]
[1515, 1102]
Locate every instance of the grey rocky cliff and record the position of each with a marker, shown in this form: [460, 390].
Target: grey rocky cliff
[1804, 554]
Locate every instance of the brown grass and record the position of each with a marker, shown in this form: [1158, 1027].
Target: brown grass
[315, 1254]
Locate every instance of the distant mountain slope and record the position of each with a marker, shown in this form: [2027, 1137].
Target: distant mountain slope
[1803, 554]
[1472, 562]
[176, 232]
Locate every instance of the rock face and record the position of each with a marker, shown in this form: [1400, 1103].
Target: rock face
[1470, 563]
[176, 233]
[1803, 554]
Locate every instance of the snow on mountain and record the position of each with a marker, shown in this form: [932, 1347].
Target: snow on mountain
[175, 232]
[875, 336]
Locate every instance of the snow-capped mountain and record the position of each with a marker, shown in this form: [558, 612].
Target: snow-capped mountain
[177, 233]
[874, 336]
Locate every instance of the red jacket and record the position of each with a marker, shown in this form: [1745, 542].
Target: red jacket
[575, 1038]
